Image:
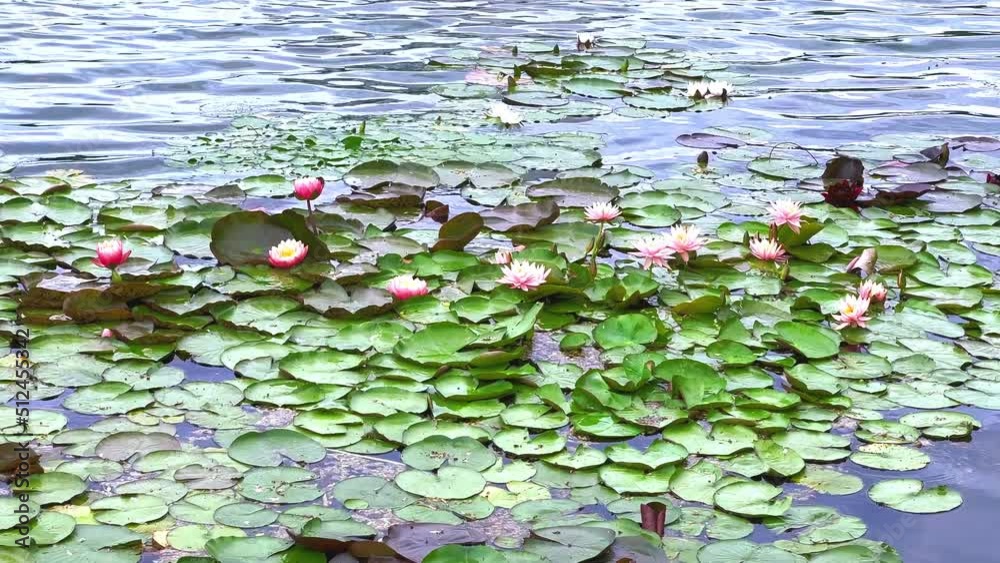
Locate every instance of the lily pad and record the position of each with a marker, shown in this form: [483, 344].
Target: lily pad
[909, 495]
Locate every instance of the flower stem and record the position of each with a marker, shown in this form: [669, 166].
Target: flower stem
[115, 276]
[598, 243]
[312, 220]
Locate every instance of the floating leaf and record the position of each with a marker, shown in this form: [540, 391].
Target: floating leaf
[909, 495]
[270, 448]
[245, 237]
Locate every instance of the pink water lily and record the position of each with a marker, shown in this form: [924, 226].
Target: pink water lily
[287, 254]
[524, 275]
[852, 312]
[684, 240]
[768, 249]
[503, 256]
[604, 212]
[111, 254]
[992, 178]
[406, 286]
[872, 290]
[786, 212]
[107, 333]
[654, 250]
[308, 188]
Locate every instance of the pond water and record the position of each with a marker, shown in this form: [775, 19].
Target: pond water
[109, 83]
[112, 88]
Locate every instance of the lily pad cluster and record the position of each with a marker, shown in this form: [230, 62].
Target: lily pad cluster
[210, 404]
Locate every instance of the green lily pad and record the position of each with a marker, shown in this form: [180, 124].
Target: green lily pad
[890, 457]
[448, 483]
[752, 499]
[909, 495]
[270, 448]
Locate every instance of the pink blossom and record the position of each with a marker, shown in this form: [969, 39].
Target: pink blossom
[406, 286]
[786, 212]
[287, 254]
[111, 254]
[524, 275]
[602, 212]
[873, 291]
[852, 312]
[684, 240]
[308, 188]
[107, 333]
[767, 249]
[654, 249]
[505, 255]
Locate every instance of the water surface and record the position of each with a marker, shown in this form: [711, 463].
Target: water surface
[104, 85]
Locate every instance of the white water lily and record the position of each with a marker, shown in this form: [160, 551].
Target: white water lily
[703, 89]
[505, 114]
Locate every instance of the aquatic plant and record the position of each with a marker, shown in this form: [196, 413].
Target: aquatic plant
[406, 286]
[786, 212]
[851, 312]
[767, 249]
[524, 275]
[287, 253]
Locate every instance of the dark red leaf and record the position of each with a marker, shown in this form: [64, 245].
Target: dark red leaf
[843, 168]
[654, 515]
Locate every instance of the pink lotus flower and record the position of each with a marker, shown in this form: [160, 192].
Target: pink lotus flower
[786, 212]
[684, 240]
[873, 291]
[111, 254]
[107, 333]
[602, 212]
[406, 286]
[852, 312]
[524, 275]
[308, 188]
[654, 249]
[505, 255]
[768, 250]
[287, 254]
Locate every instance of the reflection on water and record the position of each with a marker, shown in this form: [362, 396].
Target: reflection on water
[103, 84]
